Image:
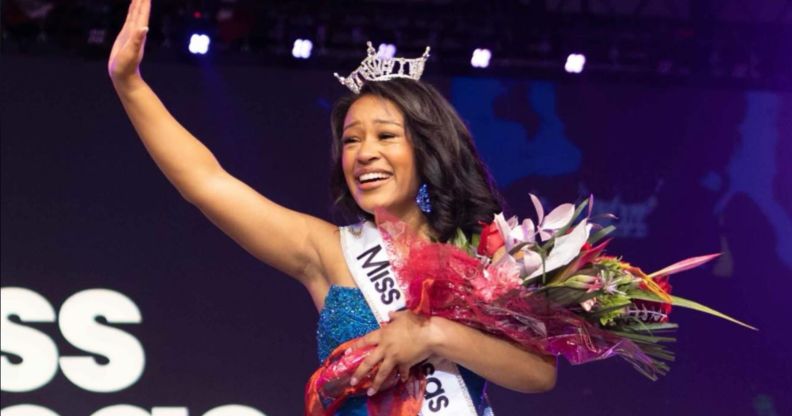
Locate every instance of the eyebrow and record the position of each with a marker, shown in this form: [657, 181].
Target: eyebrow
[379, 121]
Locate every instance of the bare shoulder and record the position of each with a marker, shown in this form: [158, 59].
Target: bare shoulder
[332, 267]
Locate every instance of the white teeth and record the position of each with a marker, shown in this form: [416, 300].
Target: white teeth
[372, 176]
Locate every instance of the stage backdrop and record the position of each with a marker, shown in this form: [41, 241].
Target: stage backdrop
[120, 299]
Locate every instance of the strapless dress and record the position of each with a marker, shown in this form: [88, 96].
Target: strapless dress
[346, 316]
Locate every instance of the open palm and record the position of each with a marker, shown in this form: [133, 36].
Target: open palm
[127, 52]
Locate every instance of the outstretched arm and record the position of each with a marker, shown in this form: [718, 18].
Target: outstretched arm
[286, 239]
[409, 339]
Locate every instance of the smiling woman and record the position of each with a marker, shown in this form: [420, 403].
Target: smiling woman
[377, 157]
[408, 116]
[393, 136]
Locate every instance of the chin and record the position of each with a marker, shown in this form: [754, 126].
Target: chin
[370, 205]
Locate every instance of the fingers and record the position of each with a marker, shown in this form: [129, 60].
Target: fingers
[404, 372]
[145, 11]
[373, 358]
[138, 39]
[138, 14]
[369, 339]
[131, 11]
[384, 371]
[372, 338]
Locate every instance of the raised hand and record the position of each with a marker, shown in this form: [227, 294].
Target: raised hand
[127, 52]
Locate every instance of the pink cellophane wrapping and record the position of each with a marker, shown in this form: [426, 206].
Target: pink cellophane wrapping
[443, 280]
[329, 386]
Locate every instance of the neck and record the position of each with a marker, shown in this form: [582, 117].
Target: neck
[418, 223]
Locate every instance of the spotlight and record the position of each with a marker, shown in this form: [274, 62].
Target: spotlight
[386, 51]
[481, 58]
[302, 49]
[199, 44]
[575, 63]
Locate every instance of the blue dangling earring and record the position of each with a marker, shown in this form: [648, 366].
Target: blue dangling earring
[423, 199]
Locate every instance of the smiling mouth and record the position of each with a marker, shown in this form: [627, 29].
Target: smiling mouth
[373, 178]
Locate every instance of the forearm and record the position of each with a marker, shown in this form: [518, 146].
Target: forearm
[183, 159]
[497, 360]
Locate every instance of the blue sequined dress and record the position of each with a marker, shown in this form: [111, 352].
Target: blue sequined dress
[345, 316]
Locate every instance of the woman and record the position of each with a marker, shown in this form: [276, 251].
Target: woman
[389, 139]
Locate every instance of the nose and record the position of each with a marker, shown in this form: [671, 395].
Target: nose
[368, 150]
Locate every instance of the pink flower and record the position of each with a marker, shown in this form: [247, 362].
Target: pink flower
[498, 279]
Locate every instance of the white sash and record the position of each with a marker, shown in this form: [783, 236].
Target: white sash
[367, 258]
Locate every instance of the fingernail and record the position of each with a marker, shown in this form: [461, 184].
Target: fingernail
[145, 29]
[348, 350]
[371, 392]
[353, 381]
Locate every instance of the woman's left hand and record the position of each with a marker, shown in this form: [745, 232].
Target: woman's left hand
[401, 343]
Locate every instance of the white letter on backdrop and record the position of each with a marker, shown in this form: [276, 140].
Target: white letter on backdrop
[27, 410]
[38, 352]
[233, 410]
[79, 326]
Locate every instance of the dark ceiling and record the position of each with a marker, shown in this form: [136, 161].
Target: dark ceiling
[727, 42]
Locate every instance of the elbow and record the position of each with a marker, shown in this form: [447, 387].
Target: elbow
[200, 190]
[540, 379]
[548, 382]
[537, 385]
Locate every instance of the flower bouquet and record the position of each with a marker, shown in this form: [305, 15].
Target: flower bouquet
[546, 285]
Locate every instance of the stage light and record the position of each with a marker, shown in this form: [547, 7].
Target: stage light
[386, 51]
[302, 49]
[575, 63]
[199, 44]
[480, 58]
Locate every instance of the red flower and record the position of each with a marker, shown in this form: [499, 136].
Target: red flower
[491, 240]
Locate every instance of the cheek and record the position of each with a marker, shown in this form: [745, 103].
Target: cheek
[347, 164]
[407, 161]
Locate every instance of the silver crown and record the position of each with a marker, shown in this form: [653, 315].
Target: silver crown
[374, 68]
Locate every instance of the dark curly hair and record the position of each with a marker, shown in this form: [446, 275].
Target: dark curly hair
[461, 189]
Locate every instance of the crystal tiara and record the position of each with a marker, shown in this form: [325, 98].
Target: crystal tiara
[374, 68]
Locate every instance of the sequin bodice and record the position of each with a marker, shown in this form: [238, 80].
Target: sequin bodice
[345, 316]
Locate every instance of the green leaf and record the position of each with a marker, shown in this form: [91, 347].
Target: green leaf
[685, 303]
[603, 311]
[599, 235]
[474, 243]
[517, 248]
[566, 295]
[649, 327]
[643, 338]
[660, 352]
[460, 239]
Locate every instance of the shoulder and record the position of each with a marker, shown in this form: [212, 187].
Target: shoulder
[332, 264]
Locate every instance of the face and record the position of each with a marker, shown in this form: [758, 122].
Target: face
[378, 158]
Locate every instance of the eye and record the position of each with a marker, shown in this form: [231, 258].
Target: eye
[386, 135]
[349, 139]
